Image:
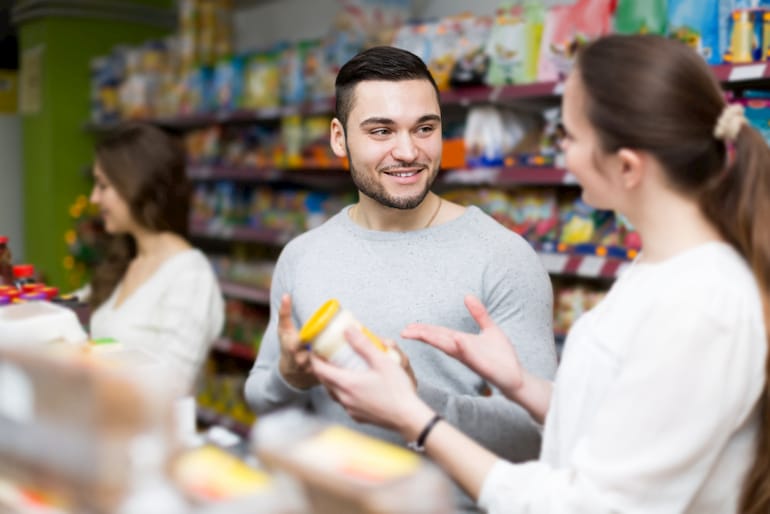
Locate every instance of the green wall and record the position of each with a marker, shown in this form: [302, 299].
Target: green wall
[56, 147]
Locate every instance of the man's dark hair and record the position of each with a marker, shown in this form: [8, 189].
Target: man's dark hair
[377, 63]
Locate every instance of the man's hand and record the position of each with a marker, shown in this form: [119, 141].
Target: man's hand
[294, 363]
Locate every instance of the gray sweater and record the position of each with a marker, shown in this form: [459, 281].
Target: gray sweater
[389, 279]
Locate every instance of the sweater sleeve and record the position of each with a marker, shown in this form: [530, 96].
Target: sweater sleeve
[517, 293]
[684, 392]
[265, 389]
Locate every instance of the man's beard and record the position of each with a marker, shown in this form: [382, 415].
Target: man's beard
[374, 190]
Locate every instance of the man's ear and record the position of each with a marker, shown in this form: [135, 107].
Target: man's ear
[337, 139]
[632, 168]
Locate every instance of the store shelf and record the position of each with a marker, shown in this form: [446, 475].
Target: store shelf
[588, 266]
[736, 73]
[312, 177]
[240, 233]
[486, 94]
[220, 172]
[502, 177]
[245, 292]
[209, 417]
[239, 350]
[728, 74]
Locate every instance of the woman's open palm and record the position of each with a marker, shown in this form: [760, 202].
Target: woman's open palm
[489, 353]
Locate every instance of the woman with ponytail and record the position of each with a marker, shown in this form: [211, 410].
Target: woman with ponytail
[660, 404]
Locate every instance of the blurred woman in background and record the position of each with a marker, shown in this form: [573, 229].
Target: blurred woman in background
[153, 292]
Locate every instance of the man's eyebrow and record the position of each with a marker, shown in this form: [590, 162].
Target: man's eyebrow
[429, 117]
[387, 121]
[377, 121]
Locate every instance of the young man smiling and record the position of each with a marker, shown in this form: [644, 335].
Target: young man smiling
[402, 254]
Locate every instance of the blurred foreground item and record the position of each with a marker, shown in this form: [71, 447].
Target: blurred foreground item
[342, 470]
[73, 426]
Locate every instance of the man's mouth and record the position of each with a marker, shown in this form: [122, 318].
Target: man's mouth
[402, 174]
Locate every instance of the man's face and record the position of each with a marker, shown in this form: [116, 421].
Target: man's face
[393, 140]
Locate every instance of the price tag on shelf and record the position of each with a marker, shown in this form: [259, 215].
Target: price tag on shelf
[569, 178]
[558, 88]
[591, 266]
[748, 72]
[554, 262]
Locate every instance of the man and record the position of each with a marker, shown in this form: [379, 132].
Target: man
[403, 254]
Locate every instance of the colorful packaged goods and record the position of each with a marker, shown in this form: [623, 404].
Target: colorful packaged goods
[514, 44]
[641, 17]
[229, 75]
[262, 80]
[697, 24]
[471, 62]
[566, 28]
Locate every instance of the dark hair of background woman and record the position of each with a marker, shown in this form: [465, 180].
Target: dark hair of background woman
[146, 166]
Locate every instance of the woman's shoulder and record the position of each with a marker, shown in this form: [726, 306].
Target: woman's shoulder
[189, 259]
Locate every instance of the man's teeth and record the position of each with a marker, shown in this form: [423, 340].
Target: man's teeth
[407, 174]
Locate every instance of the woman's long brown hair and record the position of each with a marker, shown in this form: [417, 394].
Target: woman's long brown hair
[147, 168]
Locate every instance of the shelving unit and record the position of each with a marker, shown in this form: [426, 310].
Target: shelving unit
[556, 262]
[235, 349]
[245, 292]
[243, 234]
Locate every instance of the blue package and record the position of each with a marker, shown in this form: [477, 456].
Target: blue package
[229, 83]
[697, 23]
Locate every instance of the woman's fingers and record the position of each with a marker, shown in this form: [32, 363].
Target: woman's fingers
[439, 337]
[479, 312]
[363, 346]
[330, 375]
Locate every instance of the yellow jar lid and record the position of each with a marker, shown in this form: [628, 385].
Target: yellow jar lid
[319, 320]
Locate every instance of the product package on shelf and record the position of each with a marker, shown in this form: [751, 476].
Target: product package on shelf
[640, 17]
[470, 62]
[697, 23]
[566, 28]
[342, 470]
[513, 46]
